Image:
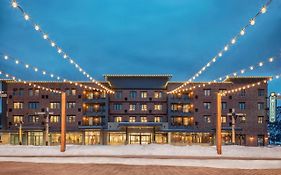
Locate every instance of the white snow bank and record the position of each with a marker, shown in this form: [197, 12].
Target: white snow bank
[142, 150]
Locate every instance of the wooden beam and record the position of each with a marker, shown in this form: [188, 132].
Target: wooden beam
[218, 126]
[63, 122]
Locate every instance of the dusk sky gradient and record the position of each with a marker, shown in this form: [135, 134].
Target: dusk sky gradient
[175, 37]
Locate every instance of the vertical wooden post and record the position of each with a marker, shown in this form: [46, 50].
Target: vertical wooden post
[218, 127]
[20, 133]
[63, 122]
[233, 129]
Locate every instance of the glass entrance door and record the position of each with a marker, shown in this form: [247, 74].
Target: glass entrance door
[140, 138]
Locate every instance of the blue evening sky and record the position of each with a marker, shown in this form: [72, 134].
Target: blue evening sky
[141, 37]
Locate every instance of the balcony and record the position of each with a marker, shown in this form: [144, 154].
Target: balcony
[181, 113]
[94, 112]
[91, 123]
[94, 100]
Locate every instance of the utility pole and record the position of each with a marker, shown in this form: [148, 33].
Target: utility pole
[63, 122]
[233, 119]
[218, 126]
[47, 114]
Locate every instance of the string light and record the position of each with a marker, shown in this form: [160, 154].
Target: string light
[26, 17]
[29, 84]
[59, 49]
[263, 10]
[242, 71]
[55, 77]
[226, 48]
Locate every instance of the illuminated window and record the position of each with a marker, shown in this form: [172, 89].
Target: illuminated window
[70, 105]
[143, 94]
[17, 118]
[243, 119]
[143, 119]
[260, 106]
[207, 119]
[71, 118]
[55, 105]
[157, 94]
[33, 118]
[207, 92]
[157, 119]
[118, 119]
[186, 108]
[207, 105]
[158, 107]
[18, 105]
[260, 119]
[144, 107]
[132, 119]
[223, 119]
[54, 118]
[132, 107]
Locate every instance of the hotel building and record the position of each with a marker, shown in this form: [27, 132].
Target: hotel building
[139, 112]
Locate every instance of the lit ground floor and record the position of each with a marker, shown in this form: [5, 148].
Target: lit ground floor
[88, 169]
[128, 135]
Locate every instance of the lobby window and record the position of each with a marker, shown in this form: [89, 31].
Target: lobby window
[132, 119]
[223, 105]
[118, 94]
[133, 94]
[70, 105]
[143, 94]
[261, 92]
[157, 119]
[117, 107]
[207, 105]
[33, 105]
[242, 105]
[132, 107]
[33, 119]
[144, 119]
[117, 119]
[223, 119]
[243, 93]
[260, 119]
[260, 106]
[158, 107]
[207, 92]
[71, 119]
[144, 107]
[55, 105]
[207, 119]
[158, 94]
[54, 118]
[18, 105]
[17, 118]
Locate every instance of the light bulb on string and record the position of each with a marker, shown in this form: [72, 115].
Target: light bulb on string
[14, 4]
[36, 27]
[263, 9]
[26, 17]
[242, 32]
[252, 22]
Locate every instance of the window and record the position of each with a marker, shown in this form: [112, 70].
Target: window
[33, 118]
[33, 105]
[33, 92]
[70, 91]
[260, 106]
[186, 108]
[223, 119]
[117, 119]
[132, 119]
[157, 94]
[144, 119]
[207, 119]
[207, 92]
[18, 105]
[18, 92]
[222, 91]
[54, 118]
[223, 105]
[207, 105]
[158, 107]
[71, 119]
[242, 105]
[55, 105]
[118, 94]
[132, 107]
[70, 105]
[117, 106]
[157, 119]
[144, 107]
[243, 93]
[243, 119]
[143, 94]
[187, 121]
[261, 92]
[260, 119]
[17, 118]
[133, 94]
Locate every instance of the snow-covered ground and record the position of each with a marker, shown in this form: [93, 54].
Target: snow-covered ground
[147, 150]
[151, 149]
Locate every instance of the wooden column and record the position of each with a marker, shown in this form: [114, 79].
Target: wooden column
[63, 122]
[218, 126]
